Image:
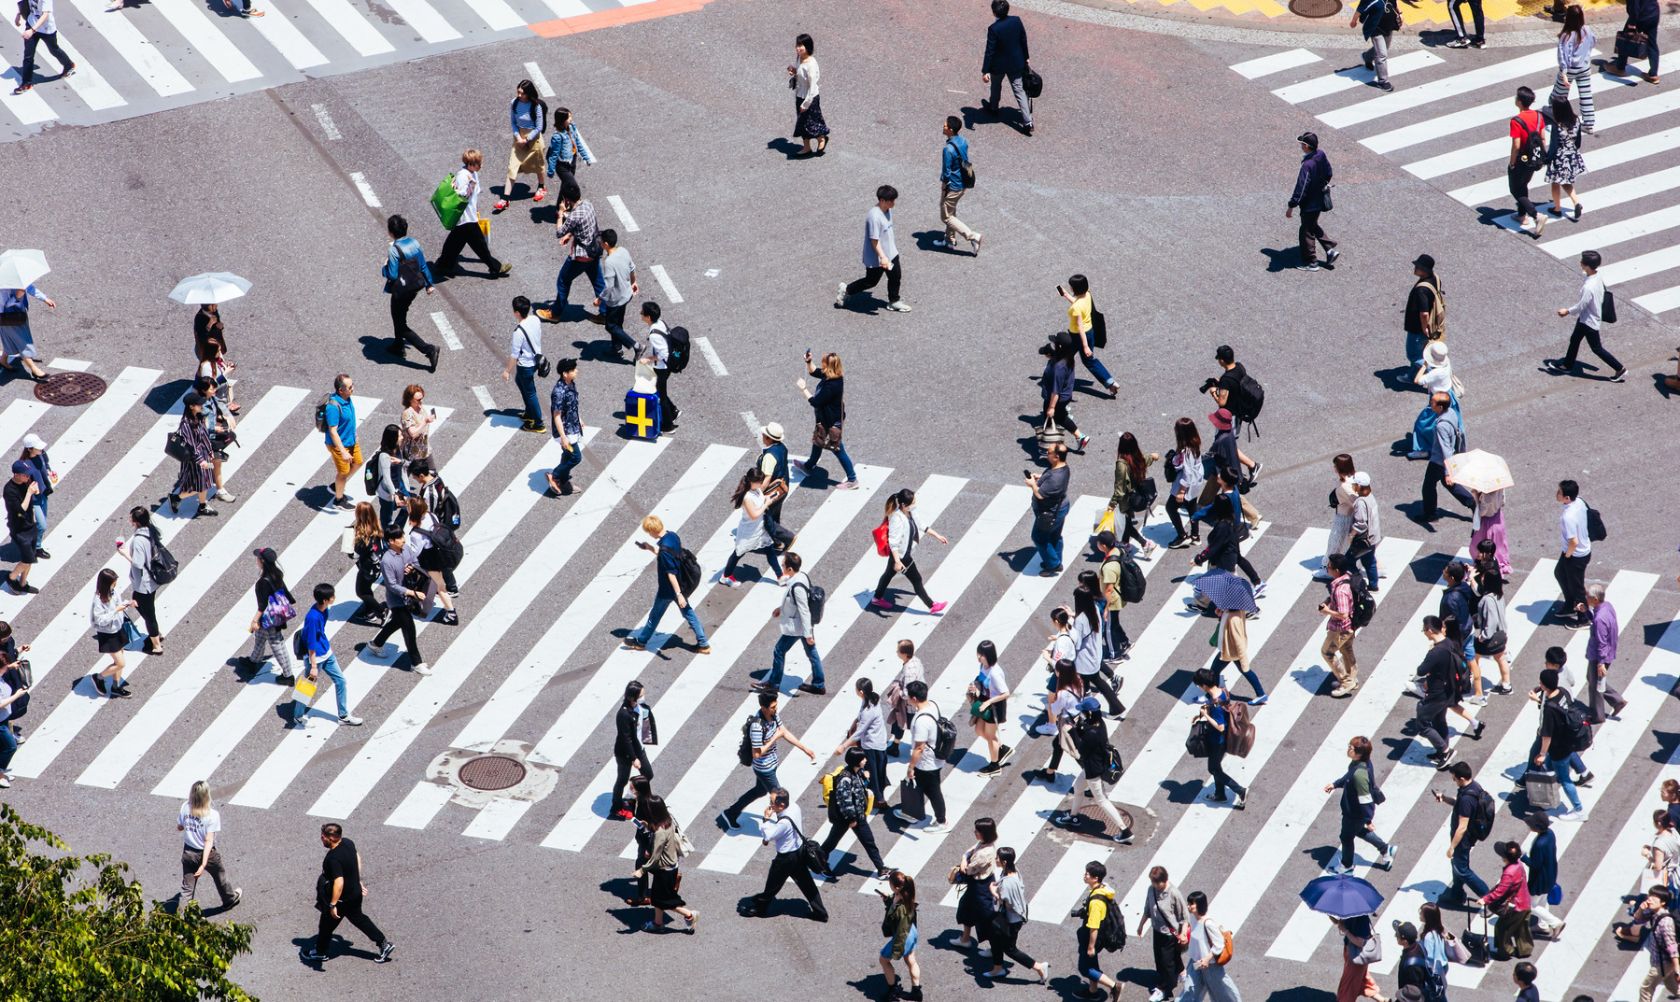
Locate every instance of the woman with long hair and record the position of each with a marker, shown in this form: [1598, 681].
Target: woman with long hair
[752, 535]
[527, 117]
[1068, 689]
[425, 535]
[1134, 492]
[199, 823]
[1489, 633]
[1189, 474]
[641, 793]
[195, 475]
[828, 404]
[110, 633]
[868, 731]
[1341, 501]
[803, 78]
[902, 536]
[973, 873]
[1434, 938]
[1010, 892]
[627, 747]
[666, 853]
[1086, 630]
[1574, 58]
[988, 698]
[391, 489]
[367, 546]
[210, 349]
[275, 608]
[899, 926]
[1564, 163]
[139, 551]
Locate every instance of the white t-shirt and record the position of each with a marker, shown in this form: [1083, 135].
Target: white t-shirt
[36, 9]
[1063, 648]
[1572, 524]
[466, 185]
[878, 227]
[1437, 380]
[1062, 702]
[194, 830]
[1206, 939]
[924, 729]
[995, 680]
[525, 343]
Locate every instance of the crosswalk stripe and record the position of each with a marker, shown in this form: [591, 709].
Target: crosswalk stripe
[209, 658]
[135, 48]
[1632, 268]
[1277, 62]
[568, 8]
[424, 18]
[478, 634]
[1615, 233]
[29, 107]
[100, 417]
[281, 33]
[1439, 127]
[16, 420]
[88, 83]
[1657, 302]
[176, 600]
[217, 49]
[701, 675]
[498, 16]
[1602, 159]
[362, 34]
[297, 748]
[1441, 87]
[1409, 778]
[970, 556]
[1299, 807]
[1628, 987]
[1354, 76]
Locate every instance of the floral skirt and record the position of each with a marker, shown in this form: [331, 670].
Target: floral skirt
[809, 123]
[1566, 166]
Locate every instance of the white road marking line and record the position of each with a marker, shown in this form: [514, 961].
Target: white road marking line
[1609, 235]
[711, 273]
[217, 49]
[664, 281]
[1354, 76]
[1604, 158]
[1277, 62]
[135, 49]
[711, 356]
[70, 364]
[1632, 268]
[567, 8]
[88, 83]
[498, 16]
[484, 398]
[446, 330]
[420, 806]
[362, 34]
[535, 73]
[424, 18]
[624, 216]
[328, 129]
[361, 182]
[1453, 86]
[15, 422]
[1656, 302]
[752, 424]
[284, 35]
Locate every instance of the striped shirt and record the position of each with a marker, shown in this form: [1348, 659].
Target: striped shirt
[759, 735]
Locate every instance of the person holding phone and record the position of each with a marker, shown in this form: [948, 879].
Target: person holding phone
[828, 406]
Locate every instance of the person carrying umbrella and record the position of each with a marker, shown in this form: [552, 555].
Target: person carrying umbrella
[1485, 476]
[19, 269]
[1350, 902]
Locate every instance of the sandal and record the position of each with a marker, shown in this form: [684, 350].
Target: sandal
[541, 194]
[500, 205]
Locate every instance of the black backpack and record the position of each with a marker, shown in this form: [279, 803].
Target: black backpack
[944, 733]
[163, 567]
[1250, 397]
[1132, 581]
[1434, 986]
[1482, 814]
[448, 547]
[409, 276]
[688, 572]
[370, 475]
[1531, 152]
[815, 597]
[1111, 931]
[1578, 718]
[1596, 532]
[677, 349]
[448, 510]
[745, 752]
[1364, 603]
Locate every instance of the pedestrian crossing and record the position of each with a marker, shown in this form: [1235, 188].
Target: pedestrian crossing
[570, 571]
[1445, 122]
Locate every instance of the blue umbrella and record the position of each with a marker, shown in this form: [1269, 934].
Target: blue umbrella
[1227, 591]
[1342, 896]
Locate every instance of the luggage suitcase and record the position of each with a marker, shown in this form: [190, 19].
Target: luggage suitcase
[1477, 943]
[1542, 790]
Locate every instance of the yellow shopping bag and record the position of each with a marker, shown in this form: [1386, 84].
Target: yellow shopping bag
[1104, 524]
[484, 228]
[304, 688]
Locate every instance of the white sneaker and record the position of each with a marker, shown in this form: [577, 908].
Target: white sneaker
[1386, 861]
[935, 828]
[1260, 589]
[1576, 816]
[941, 243]
[378, 650]
[350, 720]
[1476, 700]
[983, 951]
[1337, 869]
[225, 497]
[899, 306]
[1156, 995]
[5, 781]
[840, 295]
[422, 669]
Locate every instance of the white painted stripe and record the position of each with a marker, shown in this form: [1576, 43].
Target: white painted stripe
[135, 49]
[446, 330]
[100, 419]
[15, 422]
[1379, 690]
[70, 364]
[1632, 268]
[208, 659]
[1656, 302]
[484, 397]
[88, 83]
[1354, 76]
[1603, 159]
[711, 356]
[328, 129]
[284, 35]
[1277, 62]
[1615, 233]
[752, 423]
[497, 819]
[424, 18]
[361, 182]
[29, 108]
[500, 17]
[362, 34]
[702, 674]
[535, 73]
[478, 634]
[1627, 989]
[624, 216]
[256, 700]
[665, 283]
[217, 49]
[973, 557]
[568, 8]
[421, 806]
[174, 600]
[1441, 88]
[1440, 126]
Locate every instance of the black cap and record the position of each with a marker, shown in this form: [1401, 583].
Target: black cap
[1425, 262]
[1310, 138]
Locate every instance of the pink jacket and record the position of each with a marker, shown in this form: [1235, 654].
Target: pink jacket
[1511, 891]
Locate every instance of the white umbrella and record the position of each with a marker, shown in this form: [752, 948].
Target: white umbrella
[210, 287]
[20, 268]
[1480, 471]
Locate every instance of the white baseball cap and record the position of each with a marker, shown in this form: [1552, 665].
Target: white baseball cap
[34, 442]
[1361, 479]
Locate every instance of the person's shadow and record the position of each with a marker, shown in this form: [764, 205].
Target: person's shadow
[1281, 258]
[1398, 378]
[785, 146]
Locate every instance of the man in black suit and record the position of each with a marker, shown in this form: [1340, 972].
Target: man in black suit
[1006, 56]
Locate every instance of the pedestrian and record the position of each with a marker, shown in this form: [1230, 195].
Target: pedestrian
[1558, 741]
[1526, 153]
[1049, 509]
[367, 546]
[669, 845]
[1089, 739]
[1490, 634]
[406, 275]
[752, 534]
[797, 626]
[438, 552]
[1356, 981]
[899, 926]
[897, 696]
[210, 348]
[1563, 157]
[1006, 59]
[275, 609]
[764, 733]
[804, 76]
[1359, 800]
[1601, 653]
[36, 20]
[1189, 473]
[339, 415]
[781, 828]
[445, 511]
[415, 423]
[619, 286]
[1068, 692]
[1213, 709]
[1472, 821]
[199, 823]
[12, 695]
[1235, 476]
[17, 344]
[1571, 568]
[580, 240]
[468, 231]
[1091, 910]
[524, 359]
[1643, 16]
[390, 488]
[110, 634]
[1085, 628]
[565, 148]
[19, 494]
[1234, 602]
[1377, 21]
[1167, 919]
[219, 424]
[1457, 611]
[1662, 854]
[143, 551]
[1416, 981]
[1311, 196]
[318, 657]
[1424, 319]
[924, 761]
[627, 747]
[868, 734]
[1487, 528]
[1337, 610]
[880, 254]
[1366, 531]
[668, 555]
[1456, 16]
[402, 599]
[1588, 312]
[1523, 975]
[338, 896]
[566, 426]
[1116, 645]
[1439, 672]
[1435, 938]
[1134, 493]
[848, 808]
[1447, 441]
[828, 407]
[1669, 791]
[1010, 903]
[903, 536]
[527, 114]
[1574, 56]
[1541, 860]
[973, 875]
[1660, 942]
[773, 462]
[1089, 331]
[1510, 901]
[953, 165]
[988, 704]
[196, 457]
[659, 346]
[1341, 501]
[1434, 375]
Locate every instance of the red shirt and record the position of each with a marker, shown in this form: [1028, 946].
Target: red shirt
[1525, 123]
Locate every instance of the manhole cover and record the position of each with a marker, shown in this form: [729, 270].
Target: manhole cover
[70, 389]
[1090, 821]
[1315, 8]
[492, 772]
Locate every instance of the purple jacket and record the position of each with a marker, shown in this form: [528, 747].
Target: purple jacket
[1601, 645]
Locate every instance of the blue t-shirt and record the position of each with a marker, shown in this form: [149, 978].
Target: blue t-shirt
[670, 547]
[315, 633]
[1218, 714]
[341, 414]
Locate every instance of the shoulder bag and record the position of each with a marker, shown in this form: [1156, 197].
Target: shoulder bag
[810, 853]
[542, 360]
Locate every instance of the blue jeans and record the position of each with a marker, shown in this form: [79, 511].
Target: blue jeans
[1462, 875]
[8, 745]
[1561, 768]
[763, 783]
[40, 507]
[525, 377]
[1219, 666]
[839, 453]
[1048, 539]
[329, 665]
[661, 602]
[568, 462]
[1414, 349]
[570, 269]
[1094, 366]
[778, 658]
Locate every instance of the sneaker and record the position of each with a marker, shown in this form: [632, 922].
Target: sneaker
[1477, 43]
[983, 951]
[238, 894]
[507, 268]
[1084, 442]
[990, 769]
[386, 948]
[1179, 542]
[899, 306]
[881, 603]
[937, 828]
[1459, 43]
[1501, 690]
[310, 956]
[1260, 700]
[1539, 226]
[1585, 779]
[1443, 760]
[22, 89]
[729, 823]
[884, 875]
[432, 358]
[1579, 624]
[1123, 838]
[378, 650]
[1309, 266]
[1385, 86]
[1337, 869]
[450, 618]
[1240, 803]
[1386, 861]
[1254, 474]
[1476, 700]
[937, 608]
[1576, 816]
[840, 295]
[763, 688]
[226, 497]
[1156, 995]
[99, 685]
[941, 243]
[848, 485]
[728, 582]
[703, 649]
[422, 669]
[344, 503]
[350, 720]
[1554, 932]
[1260, 589]
[1619, 377]
[1341, 692]
[1006, 752]
[205, 511]
[975, 243]
[634, 645]
[815, 690]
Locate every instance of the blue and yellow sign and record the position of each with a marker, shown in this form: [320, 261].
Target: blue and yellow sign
[641, 415]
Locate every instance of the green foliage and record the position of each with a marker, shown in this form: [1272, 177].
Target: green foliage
[65, 938]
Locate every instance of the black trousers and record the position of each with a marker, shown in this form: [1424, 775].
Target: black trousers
[911, 574]
[642, 766]
[1309, 234]
[1169, 960]
[1216, 769]
[927, 780]
[347, 911]
[1584, 333]
[146, 602]
[1519, 177]
[1176, 510]
[1096, 680]
[668, 409]
[1571, 576]
[1005, 937]
[465, 235]
[1432, 477]
[872, 276]
[1353, 827]
[401, 618]
[785, 865]
[865, 837]
[1457, 18]
[50, 40]
[1432, 723]
[401, 333]
[1063, 418]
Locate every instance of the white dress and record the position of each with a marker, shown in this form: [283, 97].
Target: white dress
[750, 534]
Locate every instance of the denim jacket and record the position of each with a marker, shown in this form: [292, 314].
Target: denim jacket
[566, 147]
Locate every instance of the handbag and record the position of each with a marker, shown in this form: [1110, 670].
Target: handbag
[1631, 43]
[304, 688]
[484, 227]
[1104, 524]
[880, 535]
[1456, 952]
[1325, 199]
[1050, 435]
[542, 360]
[1554, 897]
[131, 633]
[810, 853]
[448, 203]
[1031, 82]
[911, 801]
[1197, 743]
[176, 448]
[1371, 952]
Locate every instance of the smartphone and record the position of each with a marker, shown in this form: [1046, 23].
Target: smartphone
[434, 412]
[1027, 474]
[1059, 291]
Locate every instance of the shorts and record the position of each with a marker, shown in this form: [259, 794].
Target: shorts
[344, 466]
[25, 543]
[910, 943]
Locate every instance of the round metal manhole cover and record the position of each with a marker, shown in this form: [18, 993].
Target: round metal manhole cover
[492, 772]
[70, 389]
[1091, 821]
[1315, 8]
